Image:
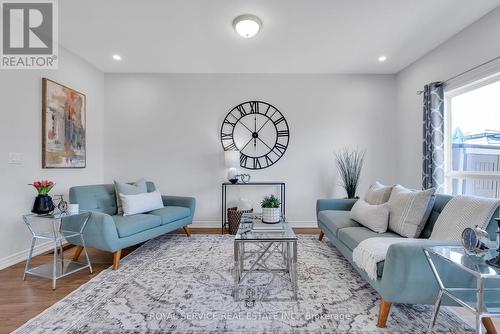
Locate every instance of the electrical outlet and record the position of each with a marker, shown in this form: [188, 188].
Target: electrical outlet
[15, 158]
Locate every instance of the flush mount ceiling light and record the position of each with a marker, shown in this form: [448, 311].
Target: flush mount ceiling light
[117, 57]
[247, 25]
[381, 59]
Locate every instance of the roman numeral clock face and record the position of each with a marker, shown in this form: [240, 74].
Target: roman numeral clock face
[259, 131]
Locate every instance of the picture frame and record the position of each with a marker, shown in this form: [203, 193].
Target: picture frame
[63, 126]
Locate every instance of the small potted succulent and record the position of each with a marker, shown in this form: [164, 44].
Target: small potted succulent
[43, 202]
[271, 210]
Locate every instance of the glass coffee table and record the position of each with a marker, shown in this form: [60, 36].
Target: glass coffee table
[483, 300]
[265, 259]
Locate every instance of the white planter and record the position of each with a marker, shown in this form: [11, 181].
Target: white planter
[271, 215]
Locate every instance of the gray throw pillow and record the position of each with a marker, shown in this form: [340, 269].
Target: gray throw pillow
[134, 188]
[409, 210]
[375, 217]
[378, 194]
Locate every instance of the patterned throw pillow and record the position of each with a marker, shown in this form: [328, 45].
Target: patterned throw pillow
[461, 212]
[378, 194]
[409, 210]
[134, 188]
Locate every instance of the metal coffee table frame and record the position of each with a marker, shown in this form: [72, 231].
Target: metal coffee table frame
[480, 309]
[268, 244]
[58, 267]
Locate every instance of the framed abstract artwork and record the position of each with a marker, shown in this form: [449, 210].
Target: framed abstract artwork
[63, 126]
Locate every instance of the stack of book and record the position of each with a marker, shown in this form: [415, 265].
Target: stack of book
[259, 226]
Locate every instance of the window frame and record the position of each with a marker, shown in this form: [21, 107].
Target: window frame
[449, 174]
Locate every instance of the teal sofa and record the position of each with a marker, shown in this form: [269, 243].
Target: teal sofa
[405, 276]
[110, 232]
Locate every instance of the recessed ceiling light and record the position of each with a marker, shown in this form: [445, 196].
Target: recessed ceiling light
[247, 25]
[381, 59]
[117, 57]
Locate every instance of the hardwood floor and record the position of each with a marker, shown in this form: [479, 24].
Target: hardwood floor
[22, 300]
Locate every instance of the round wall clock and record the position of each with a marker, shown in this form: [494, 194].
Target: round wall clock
[258, 130]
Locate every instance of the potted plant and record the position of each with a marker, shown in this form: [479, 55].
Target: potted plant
[271, 209]
[43, 202]
[349, 165]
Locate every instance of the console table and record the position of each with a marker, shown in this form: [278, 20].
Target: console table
[250, 184]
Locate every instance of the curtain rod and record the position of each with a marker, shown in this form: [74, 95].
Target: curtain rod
[419, 92]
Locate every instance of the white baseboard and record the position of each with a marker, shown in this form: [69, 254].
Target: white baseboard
[44, 247]
[217, 223]
[23, 255]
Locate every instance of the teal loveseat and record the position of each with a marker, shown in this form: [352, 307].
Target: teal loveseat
[108, 231]
[405, 276]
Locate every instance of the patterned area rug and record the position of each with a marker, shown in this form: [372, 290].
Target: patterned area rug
[184, 285]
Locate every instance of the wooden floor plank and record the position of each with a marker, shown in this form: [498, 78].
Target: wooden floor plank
[22, 300]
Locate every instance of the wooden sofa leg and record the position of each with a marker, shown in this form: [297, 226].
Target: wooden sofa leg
[186, 230]
[321, 235]
[116, 259]
[490, 327]
[78, 252]
[383, 313]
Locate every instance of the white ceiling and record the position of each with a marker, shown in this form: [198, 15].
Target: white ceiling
[297, 36]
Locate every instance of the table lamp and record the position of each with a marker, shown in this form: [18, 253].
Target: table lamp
[232, 161]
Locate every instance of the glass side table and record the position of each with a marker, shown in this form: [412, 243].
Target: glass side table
[472, 299]
[49, 228]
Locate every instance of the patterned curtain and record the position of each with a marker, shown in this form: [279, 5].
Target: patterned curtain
[433, 138]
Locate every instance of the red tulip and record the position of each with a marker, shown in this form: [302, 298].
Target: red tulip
[43, 187]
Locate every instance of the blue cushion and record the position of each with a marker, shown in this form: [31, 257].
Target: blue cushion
[170, 214]
[336, 219]
[352, 236]
[130, 225]
[439, 204]
[99, 198]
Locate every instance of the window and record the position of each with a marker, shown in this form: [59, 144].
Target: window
[472, 135]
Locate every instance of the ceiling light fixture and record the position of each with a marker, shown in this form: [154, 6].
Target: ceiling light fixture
[381, 59]
[247, 25]
[117, 57]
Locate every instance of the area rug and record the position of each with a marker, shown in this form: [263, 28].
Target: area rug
[175, 284]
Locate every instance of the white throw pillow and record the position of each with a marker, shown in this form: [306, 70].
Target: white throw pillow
[134, 188]
[378, 194]
[375, 217]
[409, 210]
[140, 203]
[461, 212]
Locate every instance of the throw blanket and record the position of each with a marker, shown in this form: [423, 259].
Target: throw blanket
[371, 251]
[461, 212]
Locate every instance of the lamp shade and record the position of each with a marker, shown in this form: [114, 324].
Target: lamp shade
[232, 159]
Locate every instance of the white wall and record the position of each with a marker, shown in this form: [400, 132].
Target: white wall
[472, 46]
[166, 128]
[21, 110]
